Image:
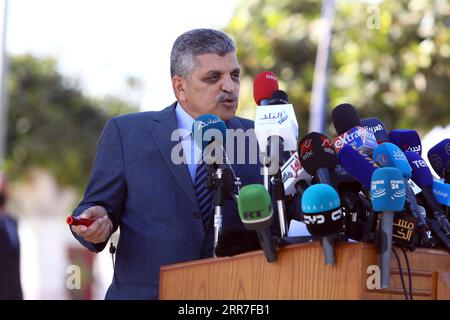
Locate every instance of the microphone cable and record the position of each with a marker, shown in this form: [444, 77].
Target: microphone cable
[405, 293]
[408, 267]
[112, 251]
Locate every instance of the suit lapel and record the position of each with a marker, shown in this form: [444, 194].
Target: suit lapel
[164, 123]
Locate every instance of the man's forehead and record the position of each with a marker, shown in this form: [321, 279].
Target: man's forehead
[214, 62]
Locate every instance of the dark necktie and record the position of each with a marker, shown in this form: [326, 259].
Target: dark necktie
[204, 195]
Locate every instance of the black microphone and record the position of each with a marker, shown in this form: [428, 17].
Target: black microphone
[317, 156]
[350, 129]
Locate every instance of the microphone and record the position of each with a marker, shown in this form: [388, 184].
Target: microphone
[209, 133]
[276, 130]
[377, 127]
[348, 126]
[361, 167]
[263, 87]
[441, 192]
[388, 193]
[255, 210]
[406, 140]
[389, 155]
[317, 156]
[353, 204]
[323, 216]
[439, 156]
[358, 164]
[77, 221]
[292, 172]
[421, 174]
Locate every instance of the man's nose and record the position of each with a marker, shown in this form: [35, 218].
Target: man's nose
[227, 84]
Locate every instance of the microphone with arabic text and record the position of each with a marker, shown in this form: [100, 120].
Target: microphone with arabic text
[421, 175]
[406, 140]
[323, 216]
[377, 127]
[441, 189]
[276, 130]
[350, 130]
[209, 133]
[439, 156]
[255, 210]
[294, 176]
[388, 193]
[389, 155]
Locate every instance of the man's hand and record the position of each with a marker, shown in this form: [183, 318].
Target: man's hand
[99, 230]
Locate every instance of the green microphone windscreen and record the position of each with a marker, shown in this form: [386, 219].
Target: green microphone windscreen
[255, 206]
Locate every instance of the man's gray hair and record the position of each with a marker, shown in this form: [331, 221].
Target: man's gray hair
[196, 42]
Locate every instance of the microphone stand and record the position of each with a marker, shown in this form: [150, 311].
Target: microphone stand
[222, 180]
[274, 151]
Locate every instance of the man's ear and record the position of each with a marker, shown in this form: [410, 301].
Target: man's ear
[178, 85]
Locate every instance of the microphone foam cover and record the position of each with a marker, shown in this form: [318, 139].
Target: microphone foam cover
[377, 127]
[358, 164]
[255, 206]
[208, 128]
[389, 155]
[279, 97]
[439, 156]
[316, 151]
[388, 191]
[406, 140]
[264, 85]
[345, 117]
[421, 174]
[321, 208]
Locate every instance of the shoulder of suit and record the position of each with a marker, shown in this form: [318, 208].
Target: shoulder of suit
[135, 116]
[138, 117]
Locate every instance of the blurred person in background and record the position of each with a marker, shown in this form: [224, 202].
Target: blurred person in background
[10, 287]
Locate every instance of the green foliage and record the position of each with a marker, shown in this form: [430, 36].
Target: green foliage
[51, 124]
[390, 60]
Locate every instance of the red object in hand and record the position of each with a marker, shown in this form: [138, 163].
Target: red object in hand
[75, 221]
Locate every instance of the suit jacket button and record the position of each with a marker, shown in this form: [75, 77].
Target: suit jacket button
[196, 215]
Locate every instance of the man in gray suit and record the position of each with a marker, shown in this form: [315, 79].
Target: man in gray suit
[136, 185]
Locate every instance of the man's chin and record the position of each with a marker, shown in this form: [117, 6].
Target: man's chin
[227, 114]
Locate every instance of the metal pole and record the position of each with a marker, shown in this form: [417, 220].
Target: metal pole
[317, 109]
[3, 73]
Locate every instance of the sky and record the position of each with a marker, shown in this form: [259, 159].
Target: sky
[103, 42]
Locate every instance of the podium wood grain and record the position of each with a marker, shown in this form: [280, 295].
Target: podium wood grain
[301, 273]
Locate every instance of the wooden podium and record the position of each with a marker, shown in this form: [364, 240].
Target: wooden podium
[300, 273]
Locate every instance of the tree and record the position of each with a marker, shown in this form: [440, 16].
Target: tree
[51, 124]
[390, 60]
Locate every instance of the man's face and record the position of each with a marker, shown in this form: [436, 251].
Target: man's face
[213, 86]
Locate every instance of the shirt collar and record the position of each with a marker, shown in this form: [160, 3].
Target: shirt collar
[184, 121]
